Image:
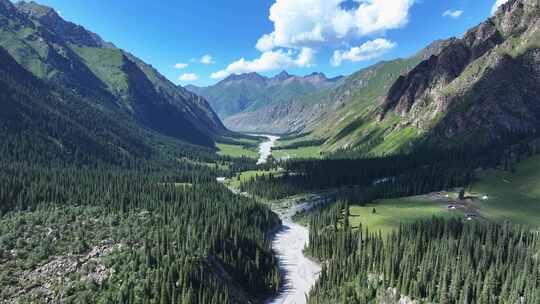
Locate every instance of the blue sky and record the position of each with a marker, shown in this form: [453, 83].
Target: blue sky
[351, 36]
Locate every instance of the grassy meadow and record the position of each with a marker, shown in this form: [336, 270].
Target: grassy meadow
[496, 196]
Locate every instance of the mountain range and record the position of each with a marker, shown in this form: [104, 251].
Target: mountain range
[239, 98]
[60, 74]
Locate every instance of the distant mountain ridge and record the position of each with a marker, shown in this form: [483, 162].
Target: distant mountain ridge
[248, 92]
[69, 56]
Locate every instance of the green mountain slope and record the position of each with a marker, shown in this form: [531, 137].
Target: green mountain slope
[68, 55]
[350, 105]
[41, 122]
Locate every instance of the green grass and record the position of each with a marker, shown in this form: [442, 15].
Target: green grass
[390, 213]
[303, 152]
[511, 196]
[237, 151]
[353, 124]
[396, 142]
[311, 151]
[286, 141]
[107, 65]
[246, 175]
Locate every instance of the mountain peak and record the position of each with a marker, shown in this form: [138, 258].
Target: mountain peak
[71, 32]
[318, 75]
[37, 11]
[282, 76]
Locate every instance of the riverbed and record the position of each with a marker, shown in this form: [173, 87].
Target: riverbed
[299, 273]
[265, 148]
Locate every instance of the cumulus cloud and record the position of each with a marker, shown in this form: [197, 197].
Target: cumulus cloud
[269, 61]
[180, 66]
[367, 51]
[207, 59]
[307, 23]
[453, 14]
[189, 77]
[496, 5]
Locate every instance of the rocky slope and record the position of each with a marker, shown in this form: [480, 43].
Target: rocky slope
[477, 89]
[252, 102]
[67, 55]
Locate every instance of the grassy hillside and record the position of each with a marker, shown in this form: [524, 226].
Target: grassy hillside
[354, 123]
[302, 152]
[511, 196]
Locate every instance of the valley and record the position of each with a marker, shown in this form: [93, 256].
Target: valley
[187, 178]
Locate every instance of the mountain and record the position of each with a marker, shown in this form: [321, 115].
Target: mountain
[472, 92]
[41, 122]
[245, 93]
[478, 89]
[68, 56]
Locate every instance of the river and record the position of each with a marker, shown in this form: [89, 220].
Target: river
[299, 272]
[265, 148]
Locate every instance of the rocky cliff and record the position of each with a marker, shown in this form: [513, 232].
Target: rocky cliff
[476, 89]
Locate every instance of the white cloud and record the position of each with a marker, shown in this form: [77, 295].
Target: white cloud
[269, 61]
[496, 5]
[453, 14]
[180, 66]
[307, 23]
[189, 77]
[367, 51]
[305, 58]
[207, 59]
